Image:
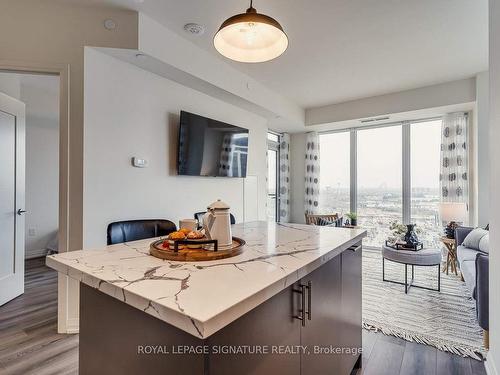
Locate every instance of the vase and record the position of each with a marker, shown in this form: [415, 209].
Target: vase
[411, 238]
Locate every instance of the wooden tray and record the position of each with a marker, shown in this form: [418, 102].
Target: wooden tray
[196, 255]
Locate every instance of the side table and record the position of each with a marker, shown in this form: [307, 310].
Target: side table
[451, 258]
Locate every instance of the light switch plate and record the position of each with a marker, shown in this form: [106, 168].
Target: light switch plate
[139, 163]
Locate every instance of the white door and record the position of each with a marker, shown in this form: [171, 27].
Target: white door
[12, 166]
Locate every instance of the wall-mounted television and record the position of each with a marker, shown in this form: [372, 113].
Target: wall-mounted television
[211, 148]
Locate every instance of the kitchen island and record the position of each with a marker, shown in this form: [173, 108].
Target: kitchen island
[290, 304]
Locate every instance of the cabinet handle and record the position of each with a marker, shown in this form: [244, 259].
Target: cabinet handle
[302, 292]
[355, 248]
[309, 292]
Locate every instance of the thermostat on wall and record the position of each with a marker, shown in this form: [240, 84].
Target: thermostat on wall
[139, 163]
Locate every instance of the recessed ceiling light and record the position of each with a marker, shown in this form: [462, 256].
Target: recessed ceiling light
[194, 28]
[109, 24]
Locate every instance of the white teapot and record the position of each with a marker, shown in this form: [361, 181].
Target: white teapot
[217, 223]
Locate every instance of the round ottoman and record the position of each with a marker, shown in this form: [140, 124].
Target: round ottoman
[424, 257]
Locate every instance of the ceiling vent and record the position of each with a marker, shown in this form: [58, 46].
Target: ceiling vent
[374, 119]
[194, 28]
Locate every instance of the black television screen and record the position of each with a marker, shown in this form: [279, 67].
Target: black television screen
[211, 148]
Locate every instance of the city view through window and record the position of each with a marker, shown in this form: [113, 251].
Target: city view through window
[380, 179]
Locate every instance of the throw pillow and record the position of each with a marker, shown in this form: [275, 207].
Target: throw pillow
[484, 244]
[474, 237]
[325, 223]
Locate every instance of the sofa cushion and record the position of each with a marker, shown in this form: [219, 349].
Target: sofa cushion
[464, 253]
[484, 244]
[468, 268]
[474, 237]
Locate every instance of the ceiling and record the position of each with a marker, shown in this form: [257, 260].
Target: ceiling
[342, 50]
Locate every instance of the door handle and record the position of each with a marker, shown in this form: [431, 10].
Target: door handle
[20, 211]
[302, 311]
[309, 300]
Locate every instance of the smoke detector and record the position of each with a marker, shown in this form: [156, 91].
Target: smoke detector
[194, 28]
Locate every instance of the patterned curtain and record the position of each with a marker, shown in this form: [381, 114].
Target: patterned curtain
[311, 201]
[284, 168]
[454, 177]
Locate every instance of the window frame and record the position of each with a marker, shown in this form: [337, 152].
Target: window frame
[406, 160]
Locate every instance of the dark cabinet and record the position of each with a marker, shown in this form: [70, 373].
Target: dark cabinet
[332, 330]
[350, 319]
[270, 326]
[323, 331]
[321, 312]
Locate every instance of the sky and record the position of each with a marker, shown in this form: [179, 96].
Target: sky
[380, 157]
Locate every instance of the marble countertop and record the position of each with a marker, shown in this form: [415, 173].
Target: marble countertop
[203, 297]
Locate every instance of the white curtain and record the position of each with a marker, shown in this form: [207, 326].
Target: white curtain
[311, 199]
[284, 168]
[454, 177]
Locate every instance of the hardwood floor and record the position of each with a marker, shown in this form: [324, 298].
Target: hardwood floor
[29, 343]
[389, 355]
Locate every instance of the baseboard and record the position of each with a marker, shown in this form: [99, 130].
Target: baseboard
[35, 254]
[489, 365]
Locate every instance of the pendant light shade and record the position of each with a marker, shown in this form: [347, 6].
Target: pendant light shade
[250, 37]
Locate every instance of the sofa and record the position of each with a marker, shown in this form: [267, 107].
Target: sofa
[474, 267]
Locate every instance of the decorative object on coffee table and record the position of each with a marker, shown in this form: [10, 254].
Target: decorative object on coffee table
[411, 238]
[451, 258]
[424, 258]
[402, 245]
[454, 214]
[404, 237]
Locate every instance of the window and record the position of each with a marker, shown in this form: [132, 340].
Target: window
[425, 164]
[335, 173]
[385, 173]
[272, 176]
[380, 185]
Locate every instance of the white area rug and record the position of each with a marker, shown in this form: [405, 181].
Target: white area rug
[445, 320]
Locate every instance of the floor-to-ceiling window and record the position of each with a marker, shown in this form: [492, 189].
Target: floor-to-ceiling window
[272, 176]
[425, 159]
[384, 174]
[335, 173]
[380, 185]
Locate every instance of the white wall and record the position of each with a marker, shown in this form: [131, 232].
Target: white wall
[40, 93]
[483, 155]
[10, 84]
[297, 175]
[445, 94]
[493, 362]
[132, 112]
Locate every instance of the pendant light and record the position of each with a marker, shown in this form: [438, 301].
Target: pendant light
[250, 37]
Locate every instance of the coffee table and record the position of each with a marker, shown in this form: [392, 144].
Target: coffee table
[420, 258]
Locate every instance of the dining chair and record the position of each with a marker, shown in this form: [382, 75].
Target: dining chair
[133, 230]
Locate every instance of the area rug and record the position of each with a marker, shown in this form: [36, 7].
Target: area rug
[445, 320]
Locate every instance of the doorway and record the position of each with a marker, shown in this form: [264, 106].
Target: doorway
[34, 213]
[273, 157]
